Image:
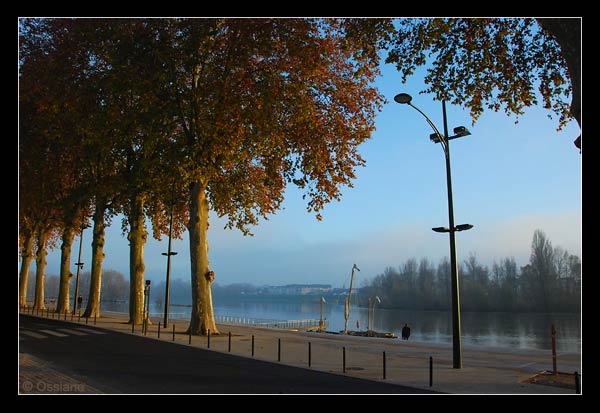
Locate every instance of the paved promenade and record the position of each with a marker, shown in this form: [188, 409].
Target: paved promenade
[486, 370]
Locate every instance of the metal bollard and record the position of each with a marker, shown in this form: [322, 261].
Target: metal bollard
[65, 315]
[252, 345]
[190, 340]
[229, 347]
[173, 332]
[94, 319]
[309, 355]
[430, 371]
[132, 326]
[146, 327]
[158, 330]
[208, 338]
[344, 360]
[577, 384]
[384, 365]
[278, 349]
[79, 317]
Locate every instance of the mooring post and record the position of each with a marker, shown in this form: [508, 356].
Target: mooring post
[430, 371]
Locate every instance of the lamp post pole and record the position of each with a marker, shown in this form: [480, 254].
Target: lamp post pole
[168, 254]
[456, 331]
[79, 267]
[437, 137]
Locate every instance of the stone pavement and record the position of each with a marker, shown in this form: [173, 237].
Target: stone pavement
[486, 370]
[37, 377]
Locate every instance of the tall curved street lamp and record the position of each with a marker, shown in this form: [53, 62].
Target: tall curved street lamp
[460, 131]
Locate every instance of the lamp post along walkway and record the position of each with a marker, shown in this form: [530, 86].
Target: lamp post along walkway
[79, 265]
[169, 253]
[437, 137]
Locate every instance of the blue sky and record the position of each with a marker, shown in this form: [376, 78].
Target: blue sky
[508, 180]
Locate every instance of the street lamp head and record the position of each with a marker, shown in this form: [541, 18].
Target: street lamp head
[434, 137]
[403, 98]
[440, 229]
[464, 227]
[460, 131]
[148, 282]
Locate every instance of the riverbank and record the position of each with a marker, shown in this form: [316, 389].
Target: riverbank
[486, 370]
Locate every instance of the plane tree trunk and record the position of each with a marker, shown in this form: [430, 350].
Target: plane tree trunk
[137, 240]
[40, 262]
[202, 318]
[62, 303]
[26, 258]
[93, 304]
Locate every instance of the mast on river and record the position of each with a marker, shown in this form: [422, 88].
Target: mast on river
[347, 303]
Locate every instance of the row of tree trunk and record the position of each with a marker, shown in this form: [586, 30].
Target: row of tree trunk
[202, 318]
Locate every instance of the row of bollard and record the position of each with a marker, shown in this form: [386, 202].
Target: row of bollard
[39, 312]
[384, 362]
[384, 365]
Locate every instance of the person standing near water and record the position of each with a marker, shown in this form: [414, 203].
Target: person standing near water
[405, 332]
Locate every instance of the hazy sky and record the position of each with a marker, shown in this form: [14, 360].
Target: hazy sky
[508, 180]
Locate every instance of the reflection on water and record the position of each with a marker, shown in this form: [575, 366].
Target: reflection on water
[518, 330]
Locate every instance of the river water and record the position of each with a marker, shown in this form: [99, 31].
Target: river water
[513, 330]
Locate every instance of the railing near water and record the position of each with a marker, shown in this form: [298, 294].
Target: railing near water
[260, 322]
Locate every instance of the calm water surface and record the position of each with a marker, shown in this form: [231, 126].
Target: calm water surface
[516, 330]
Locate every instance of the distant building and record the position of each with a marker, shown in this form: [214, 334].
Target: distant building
[296, 289]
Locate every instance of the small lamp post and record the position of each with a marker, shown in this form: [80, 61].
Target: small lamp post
[146, 304]
[168, 254]
[79, 265]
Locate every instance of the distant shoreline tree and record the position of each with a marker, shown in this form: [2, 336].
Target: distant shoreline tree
[550, 282]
